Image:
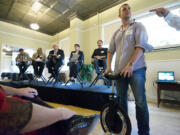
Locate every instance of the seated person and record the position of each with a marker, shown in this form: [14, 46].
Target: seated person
[19, 116]
[100, 56]
[38, 62]
[75, 61]
[55, 60]
[23, 61]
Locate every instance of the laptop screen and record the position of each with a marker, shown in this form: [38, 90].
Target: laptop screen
[166, 76]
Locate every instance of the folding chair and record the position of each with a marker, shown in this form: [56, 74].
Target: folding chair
[100, 75]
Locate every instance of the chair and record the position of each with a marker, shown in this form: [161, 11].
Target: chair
[36, 79]
[4, 75]
[100, 74]
[7, 75]
[38, 75]
[23, 75]
[54, 79]
[78, 79]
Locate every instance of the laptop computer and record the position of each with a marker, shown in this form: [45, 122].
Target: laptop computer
[166, 76]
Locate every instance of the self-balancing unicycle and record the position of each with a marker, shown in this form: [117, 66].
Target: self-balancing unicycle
[113, 119]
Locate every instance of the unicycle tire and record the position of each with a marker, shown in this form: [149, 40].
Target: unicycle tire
[115, 121]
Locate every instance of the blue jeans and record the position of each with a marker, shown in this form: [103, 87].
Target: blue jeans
[137, 83]
[23, 67]
[74, 69]
[100, 63]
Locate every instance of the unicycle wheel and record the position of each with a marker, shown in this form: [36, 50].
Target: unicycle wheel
[115, 121]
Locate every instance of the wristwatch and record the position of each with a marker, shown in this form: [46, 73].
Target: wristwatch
[130, 63]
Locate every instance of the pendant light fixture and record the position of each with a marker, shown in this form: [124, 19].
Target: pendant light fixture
[35, 8]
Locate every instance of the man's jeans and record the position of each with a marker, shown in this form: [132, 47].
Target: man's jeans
[137, 83]
[100, 63]
[23, 67]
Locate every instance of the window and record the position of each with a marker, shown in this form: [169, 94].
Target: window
[160, 34]
[113, 59]
[158, 30]
[65, 46]
[9, 54]
[108, 30]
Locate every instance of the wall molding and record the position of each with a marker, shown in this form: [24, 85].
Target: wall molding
[77, 29]
[24, 37]
[85, 30]
[169, 60]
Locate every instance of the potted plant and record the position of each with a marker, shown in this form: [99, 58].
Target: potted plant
[86, 72]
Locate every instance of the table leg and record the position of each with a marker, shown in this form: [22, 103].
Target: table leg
[158, 96]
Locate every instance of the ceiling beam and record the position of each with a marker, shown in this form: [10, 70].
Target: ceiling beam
[11, 5]
[100, 10]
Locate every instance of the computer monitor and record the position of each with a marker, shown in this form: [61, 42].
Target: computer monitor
[166, 76]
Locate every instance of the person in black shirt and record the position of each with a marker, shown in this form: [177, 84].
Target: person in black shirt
[100, 56]
[55, 60]
[75, 61]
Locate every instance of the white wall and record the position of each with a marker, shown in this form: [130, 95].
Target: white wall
[20, 37]
[161, 65]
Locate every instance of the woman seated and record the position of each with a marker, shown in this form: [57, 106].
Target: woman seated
[19, 116]
[75, 61]
[38, 62]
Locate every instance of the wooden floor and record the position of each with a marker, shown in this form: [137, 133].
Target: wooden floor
[163, 121]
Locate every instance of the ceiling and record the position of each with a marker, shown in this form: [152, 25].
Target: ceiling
[53, 16]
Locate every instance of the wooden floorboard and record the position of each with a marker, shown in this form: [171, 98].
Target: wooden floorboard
[163, 121]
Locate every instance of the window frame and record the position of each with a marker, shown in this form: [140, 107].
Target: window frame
[144, 15]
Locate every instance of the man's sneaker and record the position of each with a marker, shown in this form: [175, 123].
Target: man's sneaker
[82, 125]
[72, 80]
[51, 76]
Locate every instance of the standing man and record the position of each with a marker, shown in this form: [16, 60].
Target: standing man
[55, 60]
[100, 56]
[129, 42]
[171, 19]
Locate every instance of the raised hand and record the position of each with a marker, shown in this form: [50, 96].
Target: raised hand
[161, 12]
